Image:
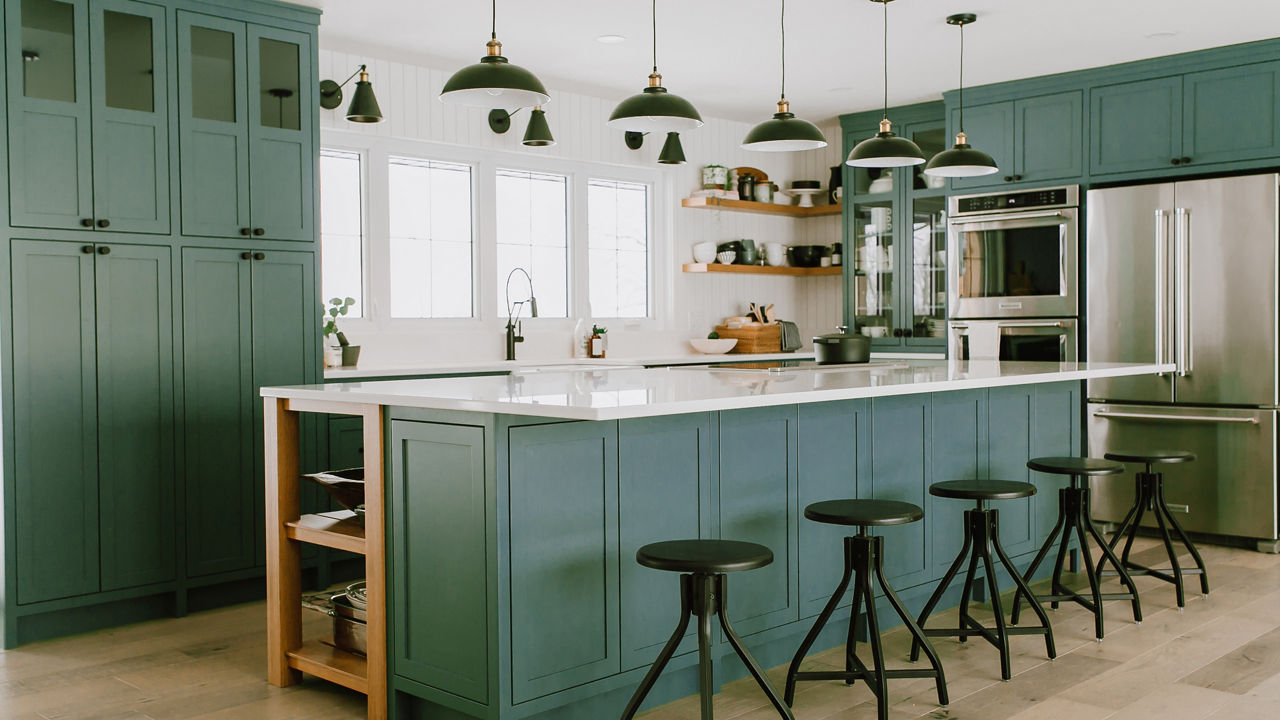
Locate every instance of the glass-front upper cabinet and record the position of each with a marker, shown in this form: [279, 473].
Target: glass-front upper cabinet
[88, 115]
[896, 232]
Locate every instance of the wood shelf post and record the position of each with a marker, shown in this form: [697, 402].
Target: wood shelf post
[284, 557]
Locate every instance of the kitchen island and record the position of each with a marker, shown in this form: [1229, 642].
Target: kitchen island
[514, 506]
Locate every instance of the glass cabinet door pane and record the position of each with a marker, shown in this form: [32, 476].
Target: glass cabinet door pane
[48, 50]
[931, 139]
[278, 83]
[928, 267]
[213, 74]
[129, 67]
[873, 258]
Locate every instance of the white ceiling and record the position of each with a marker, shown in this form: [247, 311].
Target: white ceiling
[723, 54]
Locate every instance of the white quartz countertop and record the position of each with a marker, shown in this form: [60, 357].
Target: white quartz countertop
[605, 393]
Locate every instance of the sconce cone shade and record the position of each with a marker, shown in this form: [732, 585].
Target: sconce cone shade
[655, 110]
[784, 132]
[538, 134]
[672, 152]
[494, 83]
[885, 150]
[961, 161]
[364, 106]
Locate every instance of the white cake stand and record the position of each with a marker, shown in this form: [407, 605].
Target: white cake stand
[806, 195]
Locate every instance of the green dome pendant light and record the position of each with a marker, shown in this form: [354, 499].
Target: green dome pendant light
[494, 82]
[364, 106]
[961, 160]
[885, 150]
[654, 109]
[784, 132]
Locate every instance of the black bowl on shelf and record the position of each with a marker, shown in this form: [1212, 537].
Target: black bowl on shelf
[807, 255]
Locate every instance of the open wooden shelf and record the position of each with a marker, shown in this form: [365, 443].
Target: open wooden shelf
[339, 530]
[750, 206]
[761, 269]
[337, 666]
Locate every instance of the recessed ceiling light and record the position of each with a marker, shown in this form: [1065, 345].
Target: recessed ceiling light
[1161, 35]
[610, 39]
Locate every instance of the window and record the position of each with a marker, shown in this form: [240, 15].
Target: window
[341, 228]
[431, 239]
[618, 248]
[533, 233]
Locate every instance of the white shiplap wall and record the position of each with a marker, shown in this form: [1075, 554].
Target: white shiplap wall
[408, 94]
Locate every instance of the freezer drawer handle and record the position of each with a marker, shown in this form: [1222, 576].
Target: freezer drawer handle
[1177, 418]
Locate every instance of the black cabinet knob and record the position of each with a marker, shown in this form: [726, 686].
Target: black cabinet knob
[86, 222]
[104, 250]
[259, 232]
[245, 231]
[1176, 161]
[1186, 160]
[908, 332]
[246, 255]
[86, 249]
[1017, 177]
[1008, 178]
[104, 223]
[259, 256]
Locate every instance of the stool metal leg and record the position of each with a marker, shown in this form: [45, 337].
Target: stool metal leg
[1039, 558]
[877, 680]
[965, 594]
[1094, 590]
[1161, 506]
[790, 690]
[668, 650]
[1110, 556]
[851, 642]
[704, 608]
[943, 584]
[1002, 635]
[736, 642]
[1178, 593]
[1023, 588]
[917, 634]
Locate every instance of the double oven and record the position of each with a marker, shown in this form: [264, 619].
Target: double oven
[1012, 270]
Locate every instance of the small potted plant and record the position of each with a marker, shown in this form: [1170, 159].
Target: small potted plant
[344, 352]
[598, 343]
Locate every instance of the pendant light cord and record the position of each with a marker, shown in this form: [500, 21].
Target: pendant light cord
[783, 23]
[885, 3]
[962, 77]
[654, 15]
[493, 33]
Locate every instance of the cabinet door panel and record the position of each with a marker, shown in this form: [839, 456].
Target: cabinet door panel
[219, 460]
[56, 438]
[1055, 431]
[829, 439]
[281, 115]
[900, 459]
[757, 503]
[1049, 137]
[50, 152]
[1135, 126]
[1010, 416]
[130, 116]
[1232, 114]
[959, 452]
[564, 555]
[213, 116]
[990, 129]
[664, 482]
[135, 414]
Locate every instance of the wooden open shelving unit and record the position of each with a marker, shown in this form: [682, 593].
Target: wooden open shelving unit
[760, 269]
[287, 655]
[750, 206]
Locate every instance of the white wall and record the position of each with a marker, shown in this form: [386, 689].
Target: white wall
[690, 304]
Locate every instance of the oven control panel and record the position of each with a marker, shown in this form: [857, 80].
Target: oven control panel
[1022, 200]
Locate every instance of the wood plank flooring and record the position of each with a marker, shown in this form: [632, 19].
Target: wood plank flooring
[1218, 660]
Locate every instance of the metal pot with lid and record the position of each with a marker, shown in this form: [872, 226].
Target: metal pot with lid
[842, 346]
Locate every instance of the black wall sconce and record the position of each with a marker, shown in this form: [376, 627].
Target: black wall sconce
[364, 106]
[538, 134]
[672, 151]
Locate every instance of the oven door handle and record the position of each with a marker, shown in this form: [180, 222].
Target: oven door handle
[1055, 217]
[1050, 324]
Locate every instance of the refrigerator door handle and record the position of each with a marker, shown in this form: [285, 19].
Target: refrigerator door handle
[1175, 418]
[1162, 282]
[1182, 264]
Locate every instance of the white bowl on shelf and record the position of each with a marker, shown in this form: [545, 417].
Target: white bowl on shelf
[704, 252]
[713, 346]
[726, 257]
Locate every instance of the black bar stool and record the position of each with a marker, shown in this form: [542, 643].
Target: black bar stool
[1073, 516]
[703, 593]
[864, 555]
[981, 536]
[1149, 496]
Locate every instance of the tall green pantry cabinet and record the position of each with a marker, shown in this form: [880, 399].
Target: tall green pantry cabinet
[159, 178]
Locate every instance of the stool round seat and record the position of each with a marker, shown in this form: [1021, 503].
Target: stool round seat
[704, 556]
[1151, 457]
[1075, 466]
[982, 489]
[863, 512]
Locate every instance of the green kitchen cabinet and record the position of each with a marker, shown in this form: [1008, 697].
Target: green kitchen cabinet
[958, 451]
[831, 441]
[93, 343]
[249, 321]
[246, 128]
[1135, 126]
[88, 115]
[1012, 421]
[1032, 140]
[900, 469]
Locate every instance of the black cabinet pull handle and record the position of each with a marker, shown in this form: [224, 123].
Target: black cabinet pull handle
[246, 255]
[908, 332]
[104, 223]
[1176, 161]
[104, 250]
[1186, 160]
[1017, 177]
[259, 256]
[245, 231]
[86, 222]
[1008, 178]
[259, 232]
[86, 249]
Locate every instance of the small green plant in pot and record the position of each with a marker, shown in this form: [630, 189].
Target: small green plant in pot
[336, 308]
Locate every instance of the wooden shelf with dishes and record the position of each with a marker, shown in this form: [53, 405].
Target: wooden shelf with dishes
[763, 208]
[761, 269]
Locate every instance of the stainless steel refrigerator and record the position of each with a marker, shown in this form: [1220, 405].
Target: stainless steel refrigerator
[1185, 273]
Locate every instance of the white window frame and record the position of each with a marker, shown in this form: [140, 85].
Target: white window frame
[377, 151]
[364, 230]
